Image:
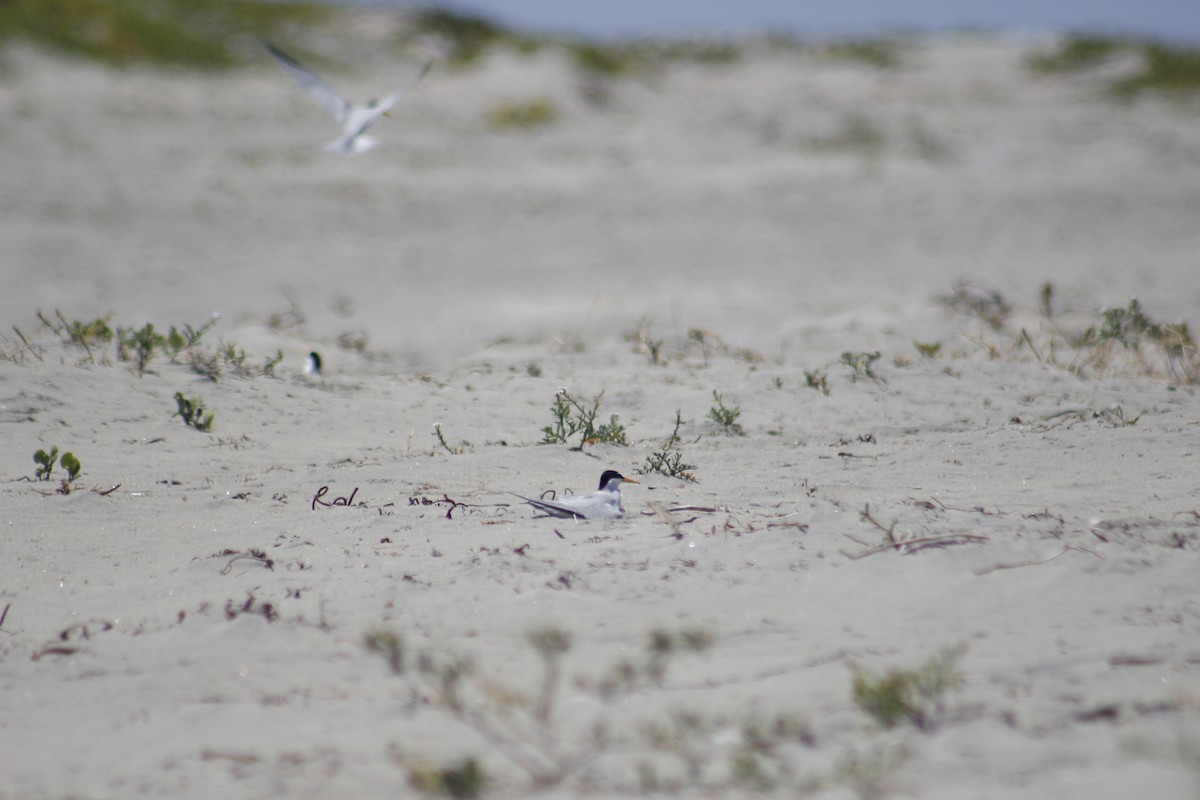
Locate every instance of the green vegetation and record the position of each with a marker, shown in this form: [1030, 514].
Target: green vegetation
[467, 36]
[1167, 69]
[1122, 339]
[45, 464]
[882, 54]
[524, 727]
[441, 437]
[915, 697]
[930, 350]
[193, 412]
[861, 364]
[81, 334]
[200, 34]
[1077, 54]
[523, 115]
[667, 460]
[817, 379]
[725, 416]
[572, 417]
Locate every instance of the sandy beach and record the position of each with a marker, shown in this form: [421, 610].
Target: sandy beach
[904, 459]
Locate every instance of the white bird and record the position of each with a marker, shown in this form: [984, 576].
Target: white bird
[354, 119]
[602, 504]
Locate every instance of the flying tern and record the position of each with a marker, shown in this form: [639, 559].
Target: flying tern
[602, 504]
[354, 119]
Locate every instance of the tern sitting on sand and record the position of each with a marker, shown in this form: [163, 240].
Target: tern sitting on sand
[602, 504]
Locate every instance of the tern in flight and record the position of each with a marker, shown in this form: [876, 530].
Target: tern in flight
[354, 119]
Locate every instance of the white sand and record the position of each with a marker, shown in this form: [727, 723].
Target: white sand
[485, 270]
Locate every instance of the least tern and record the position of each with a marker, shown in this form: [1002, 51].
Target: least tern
[602, 504]
[312, 364]
[354, 119]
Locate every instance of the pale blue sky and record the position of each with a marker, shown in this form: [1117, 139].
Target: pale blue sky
[1170, 19]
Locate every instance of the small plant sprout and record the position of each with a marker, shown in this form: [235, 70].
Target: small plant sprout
[71, 464]
[46, 460]
[45, 463]
[930, 350]
[667, 460]
[437, 431]
[862, 363]
[572, 417]
[725, 416]
[915, 697]
[138, 345]
[987, 304]
[527, 115]
[193, 413]
[816, 379]
[644, 343]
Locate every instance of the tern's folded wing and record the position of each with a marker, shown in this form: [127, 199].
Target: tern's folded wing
[552, 508]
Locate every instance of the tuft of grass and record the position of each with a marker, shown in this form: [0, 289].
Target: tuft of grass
[180, 339]
[192, 34]
[667, 460]
[572, 416]
[987, 304]
[138, 345]
[78, 333]
[193, 413]
[930, 350]
[817, 379]
[914, 697]
[523, 115]
[441, 437]
[861, 364]
[725, 416]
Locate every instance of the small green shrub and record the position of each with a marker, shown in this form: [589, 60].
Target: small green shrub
[523, 115]
[862, 363]
[817, 379]
[725, 416]
[138, 345]
[572, 417]
[46, 460]
[667, 460]
[193, 412]
[916, 697]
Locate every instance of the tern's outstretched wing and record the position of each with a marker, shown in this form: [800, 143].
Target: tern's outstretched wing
[325, 95]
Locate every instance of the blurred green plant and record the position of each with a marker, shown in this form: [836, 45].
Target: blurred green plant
[522, 115]
[197, 34]
[1165, 68]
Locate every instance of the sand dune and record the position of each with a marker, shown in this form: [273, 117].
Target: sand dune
[190, 621]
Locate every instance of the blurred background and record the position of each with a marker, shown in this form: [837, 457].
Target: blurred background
[1169, 19]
